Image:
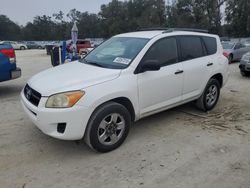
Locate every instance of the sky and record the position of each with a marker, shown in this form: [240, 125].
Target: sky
[23, 11]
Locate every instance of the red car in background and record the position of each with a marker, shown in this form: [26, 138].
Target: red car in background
[80, 44]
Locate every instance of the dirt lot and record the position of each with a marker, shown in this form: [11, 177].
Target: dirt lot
[182, 147]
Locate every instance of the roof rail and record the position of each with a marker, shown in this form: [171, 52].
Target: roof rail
[153, 29]
[185, 29]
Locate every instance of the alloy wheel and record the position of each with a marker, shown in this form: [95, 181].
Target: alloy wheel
[211, 95]
[111, 129]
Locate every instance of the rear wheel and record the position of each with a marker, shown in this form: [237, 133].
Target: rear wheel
[244, 73]
[230, 58]
[22, 48]
[210, 96]
[108, 127]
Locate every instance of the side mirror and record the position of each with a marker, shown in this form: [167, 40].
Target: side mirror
[149, 65]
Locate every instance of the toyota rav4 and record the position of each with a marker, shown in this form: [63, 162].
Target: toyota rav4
[128, 77]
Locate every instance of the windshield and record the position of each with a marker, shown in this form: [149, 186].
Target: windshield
[116, 53]
[228, 45]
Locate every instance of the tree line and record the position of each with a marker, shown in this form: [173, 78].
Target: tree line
[224, 17]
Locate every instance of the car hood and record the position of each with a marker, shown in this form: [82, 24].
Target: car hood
[70, 77]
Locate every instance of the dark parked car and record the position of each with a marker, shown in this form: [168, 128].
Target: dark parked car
[34, 45]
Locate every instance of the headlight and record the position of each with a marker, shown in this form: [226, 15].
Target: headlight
[246, 58]
[64, 100]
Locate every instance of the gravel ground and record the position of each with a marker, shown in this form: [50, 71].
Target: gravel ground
[181, 147]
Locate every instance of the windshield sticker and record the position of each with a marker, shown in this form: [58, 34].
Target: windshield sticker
[122, 60]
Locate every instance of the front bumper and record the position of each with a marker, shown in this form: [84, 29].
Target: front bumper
[15, 73]
[244, 66]
[48, 120]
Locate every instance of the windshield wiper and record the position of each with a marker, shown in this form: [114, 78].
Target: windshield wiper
[91, 63]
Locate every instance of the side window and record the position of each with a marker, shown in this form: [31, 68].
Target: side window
[239, 45]
[191, 47]
[211, 45]
[242, 45]
[164, 51]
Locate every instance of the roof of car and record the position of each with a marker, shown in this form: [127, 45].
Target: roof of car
[141, 34]
[153, 33]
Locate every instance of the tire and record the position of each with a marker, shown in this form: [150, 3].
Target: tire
[108, 127]
[230, 58]
[22, 48]
[210, 96]
[244, 73]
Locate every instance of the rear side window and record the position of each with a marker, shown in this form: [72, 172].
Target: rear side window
[164, 51]
[211, 45]
[191, 47]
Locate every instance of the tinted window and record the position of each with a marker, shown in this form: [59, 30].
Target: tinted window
[239, 45]
[211, 45]
[191, 47]
[164, 51]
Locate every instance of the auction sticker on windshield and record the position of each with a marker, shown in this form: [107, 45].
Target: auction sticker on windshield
[122, 60]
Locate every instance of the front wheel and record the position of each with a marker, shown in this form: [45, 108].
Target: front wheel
[108, 127]
[22, 48]
[210, 96]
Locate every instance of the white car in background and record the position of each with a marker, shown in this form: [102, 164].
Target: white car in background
[126, 78]
[234, 50]
[16, 45]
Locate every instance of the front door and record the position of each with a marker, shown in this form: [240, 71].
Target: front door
[159, 89]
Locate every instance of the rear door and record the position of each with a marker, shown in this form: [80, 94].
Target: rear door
[196, 65]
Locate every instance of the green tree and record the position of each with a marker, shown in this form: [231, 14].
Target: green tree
[8, 29]
[42, 28]
[238, 16]
[195, 14]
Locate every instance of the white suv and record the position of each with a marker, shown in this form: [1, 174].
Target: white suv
[128, 77]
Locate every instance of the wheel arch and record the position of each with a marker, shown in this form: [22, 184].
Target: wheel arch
[218, 77]
[126, 102]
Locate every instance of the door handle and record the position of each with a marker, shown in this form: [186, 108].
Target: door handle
[209, 64]
[179, 71]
